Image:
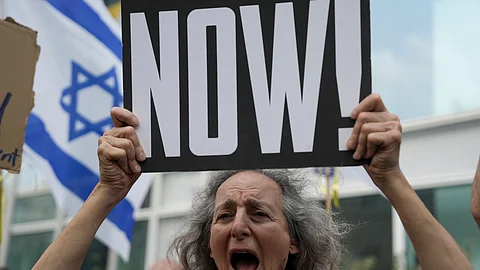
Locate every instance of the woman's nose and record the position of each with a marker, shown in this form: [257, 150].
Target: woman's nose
[240, 227]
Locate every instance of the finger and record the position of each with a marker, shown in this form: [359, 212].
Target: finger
[121, 157]
[126, 145]
[385, 139]
[129, 133]
[372, 103]
[371, 147]
[366, 130]
[122, 117]
[108, 152]
[368, 117]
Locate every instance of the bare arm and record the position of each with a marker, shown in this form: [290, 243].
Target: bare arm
[70, 247]
[435, 247]
[118, 152]
[475, 205]
[377, 135]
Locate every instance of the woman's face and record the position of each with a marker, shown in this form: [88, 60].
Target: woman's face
[249, 230]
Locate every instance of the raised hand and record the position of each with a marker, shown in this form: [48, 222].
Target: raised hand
[377, 135]
[119, 152]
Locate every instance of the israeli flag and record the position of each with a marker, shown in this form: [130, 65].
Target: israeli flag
[78, 80]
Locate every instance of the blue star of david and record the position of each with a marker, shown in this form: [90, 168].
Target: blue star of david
[81, 80]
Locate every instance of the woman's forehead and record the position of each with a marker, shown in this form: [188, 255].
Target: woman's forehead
[243, 185]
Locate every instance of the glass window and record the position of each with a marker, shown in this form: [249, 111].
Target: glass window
[183, 184]
[137, 255]
[369, 216]
[451, 207]
[424, 55]
[96, 258]
[34, 209]
[25, 250]
[167, 229]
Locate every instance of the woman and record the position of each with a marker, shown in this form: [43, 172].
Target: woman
[260, 219]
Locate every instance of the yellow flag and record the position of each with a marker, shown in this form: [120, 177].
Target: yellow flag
[114, 9]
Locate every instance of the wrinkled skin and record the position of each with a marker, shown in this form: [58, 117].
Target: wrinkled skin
[248, 217]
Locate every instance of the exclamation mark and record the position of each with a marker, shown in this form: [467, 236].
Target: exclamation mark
[348, 53]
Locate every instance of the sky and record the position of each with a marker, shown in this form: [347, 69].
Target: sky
[457, 56]
[424, 56]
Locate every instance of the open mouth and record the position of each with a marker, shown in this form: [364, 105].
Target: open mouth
[244, 261]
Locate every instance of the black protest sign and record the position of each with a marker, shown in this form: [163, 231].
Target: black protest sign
[245, 84]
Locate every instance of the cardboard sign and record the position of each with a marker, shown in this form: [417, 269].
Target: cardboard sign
[245, 84]
[18, 57]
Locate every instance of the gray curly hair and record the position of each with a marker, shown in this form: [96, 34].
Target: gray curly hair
[318, 236]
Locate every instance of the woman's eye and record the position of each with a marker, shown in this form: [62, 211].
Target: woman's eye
[260, 214]
[223, 216]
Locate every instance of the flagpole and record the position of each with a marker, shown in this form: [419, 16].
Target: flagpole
[328, 202]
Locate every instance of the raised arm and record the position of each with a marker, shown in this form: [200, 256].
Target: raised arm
[475, 205]
[377, 136]
[118, 152]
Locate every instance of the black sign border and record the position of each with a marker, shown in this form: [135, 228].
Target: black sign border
[189, 162]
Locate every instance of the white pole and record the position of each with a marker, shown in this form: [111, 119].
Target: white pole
[112, 260]
[10, 190]
[399, 242]
[153, 223]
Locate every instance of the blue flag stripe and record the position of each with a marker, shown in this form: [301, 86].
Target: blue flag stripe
[73, 175]
[82, 14]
